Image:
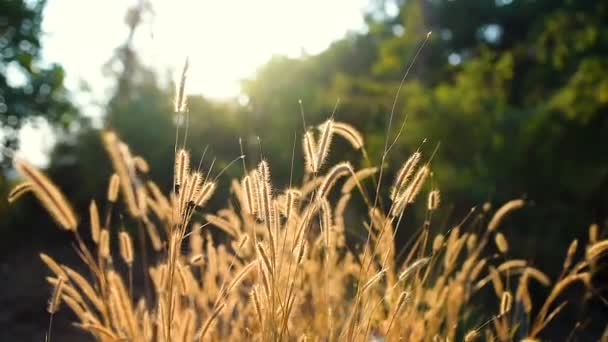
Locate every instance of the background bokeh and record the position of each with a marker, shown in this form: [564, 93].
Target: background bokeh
[515, 92]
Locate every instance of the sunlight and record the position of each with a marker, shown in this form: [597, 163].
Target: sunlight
[226, 41]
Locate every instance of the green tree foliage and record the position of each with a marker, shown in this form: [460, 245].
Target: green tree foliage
[514, 90]
[27, 88]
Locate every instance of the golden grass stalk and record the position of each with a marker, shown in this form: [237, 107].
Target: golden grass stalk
[104, 244]
[56, 297]
[327, 132]
[505, 302]
[197, 259]
[408, 196]
[404, 173]
[223, 224]
[126, 247]
[264, 256]
[95, 224]
[471, 335]
[437, 242]
[596, 250]
[339, 170]
[53, 265]
[86, 288]
[180, 94]
[355, 180]
[373, 280]
[302, 287]
[570, 255]
[210, 320]
[249, 195]
[540, 321]
[412, 191]
[113, 188]
[48, 194]
[141, 164]
[18, 191]
[182, 166]
[415, 266]
[348, 132]
[204, 194]
[122, 163]
[501, 243]
[257, 305]
[238, 278]
[433, 200]
[593, 233]
[310, 152]
[292, 196]
[503, 211]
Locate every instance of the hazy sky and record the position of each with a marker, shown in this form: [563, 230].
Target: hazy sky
[225, 40]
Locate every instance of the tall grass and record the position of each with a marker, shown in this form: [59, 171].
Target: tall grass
[287, 272]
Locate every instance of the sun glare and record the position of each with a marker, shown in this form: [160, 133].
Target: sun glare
[226, 41]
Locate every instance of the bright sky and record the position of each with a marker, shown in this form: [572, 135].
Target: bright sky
[225, 40]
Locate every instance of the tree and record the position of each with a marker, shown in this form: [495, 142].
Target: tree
[27, 89]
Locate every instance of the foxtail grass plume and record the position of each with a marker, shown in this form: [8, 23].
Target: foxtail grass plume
[404, 174]
[501, 243]
[505, 302]
[122, 163]
[56, 297]
[327, 132]
[95, 224]
[433, 201]
[18, 191]
[113, 188]
[249, 195]
[182, 166]
[593, 233]
[349, 133]
[355, 180]
[48, 194]
[126, 247]
[310, 152]
[339, 170]
[503, 211]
